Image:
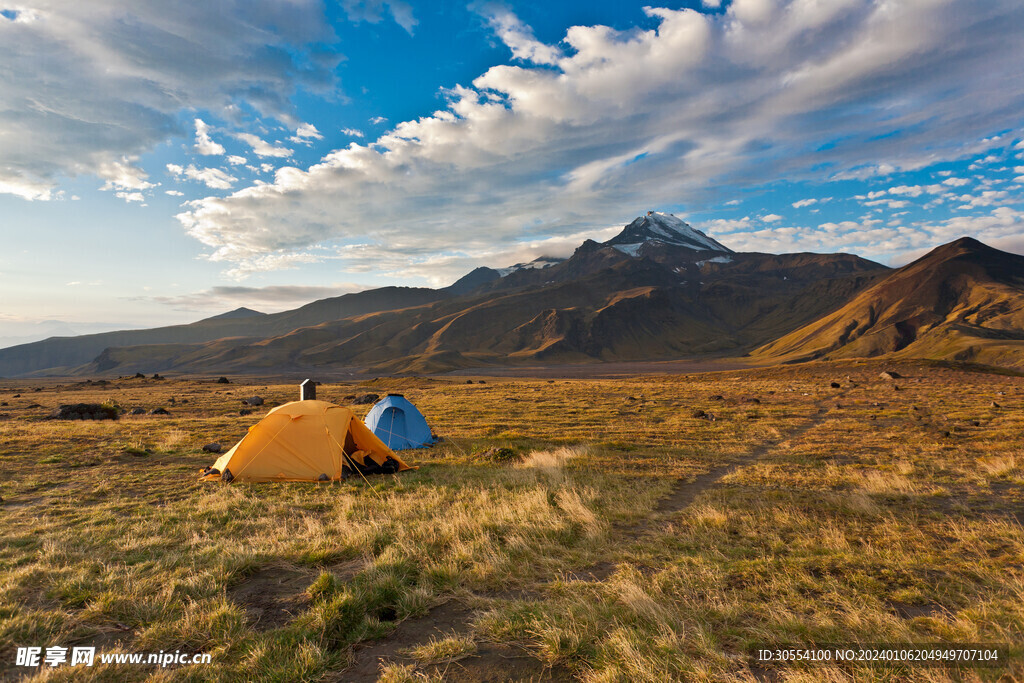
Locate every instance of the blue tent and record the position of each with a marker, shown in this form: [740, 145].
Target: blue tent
[398, 423]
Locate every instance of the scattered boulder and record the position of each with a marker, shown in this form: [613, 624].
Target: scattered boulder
[365, 398]
[994, 405]
[836, 385]
[137, 411]
[698, 414]
[86, 411]
[3, 403]
[139, 375]
[253, 401]
[159, 411]
[716, 397]
[755, 401]
[173, 400]
[156, 375]
[480, 381]
[469, 381]
[223, 380]
[17, 396]
[890, 374]
[245, 411]
[214, 447]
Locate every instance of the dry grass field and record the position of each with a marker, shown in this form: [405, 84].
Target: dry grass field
[620, 537]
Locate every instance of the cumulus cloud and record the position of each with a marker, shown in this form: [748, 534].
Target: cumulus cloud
[517, 36]
[801, 203]
[261, 147]
[213, 178]
[236, 160]
[118, 76]
[617, 120]
[352, 132]
[305, 134]
[771, 218]
[204, 145]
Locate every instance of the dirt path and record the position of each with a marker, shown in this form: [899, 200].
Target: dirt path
[499, 662]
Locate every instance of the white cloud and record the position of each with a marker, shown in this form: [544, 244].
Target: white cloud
[771, 218]
[711, 4]
[174, 193]
[956, 182]
[550, 150]
[123, 175]
[204, 145]
[211, 177]
[131, 196]
[377, 120]
[518, 36]
[236, 160]
[352, 132]
[804, 202]
[305, 134]
[261, 147]
[117, 77]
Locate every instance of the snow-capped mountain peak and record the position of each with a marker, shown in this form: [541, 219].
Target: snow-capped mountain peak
[665, 228]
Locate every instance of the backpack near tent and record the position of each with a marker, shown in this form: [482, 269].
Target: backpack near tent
[305, 441]
[398, 423]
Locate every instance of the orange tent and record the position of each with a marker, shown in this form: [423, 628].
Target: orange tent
[305, 441]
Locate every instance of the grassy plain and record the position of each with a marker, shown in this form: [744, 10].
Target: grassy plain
[629, 539]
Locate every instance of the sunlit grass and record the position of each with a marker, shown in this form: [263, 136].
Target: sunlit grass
[890, 517]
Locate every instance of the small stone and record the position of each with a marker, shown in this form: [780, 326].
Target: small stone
[365, 398]
[245, 411]
[890, 374]
[214, 447]
[137, 411]
[699, 414]
[253, 401]
[994, 405]
[836, 385]
[159, 411]
[223, 380]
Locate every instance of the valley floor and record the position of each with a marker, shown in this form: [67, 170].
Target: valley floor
[646, 528]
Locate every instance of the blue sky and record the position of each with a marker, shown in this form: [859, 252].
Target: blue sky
[161, 162]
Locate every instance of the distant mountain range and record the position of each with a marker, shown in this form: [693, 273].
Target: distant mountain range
[660, 289]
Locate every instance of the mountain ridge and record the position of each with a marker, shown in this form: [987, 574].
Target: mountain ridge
[679, 294]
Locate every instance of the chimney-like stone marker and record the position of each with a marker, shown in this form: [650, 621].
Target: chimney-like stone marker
[307, 390]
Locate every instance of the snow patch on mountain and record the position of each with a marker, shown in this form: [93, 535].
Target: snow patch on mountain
[630, 249]
[717, 259]
[539, 262]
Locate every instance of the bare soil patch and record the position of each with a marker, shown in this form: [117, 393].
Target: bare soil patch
[272, 595]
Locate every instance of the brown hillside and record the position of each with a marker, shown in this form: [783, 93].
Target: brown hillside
[962, 301]
[600, 306]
